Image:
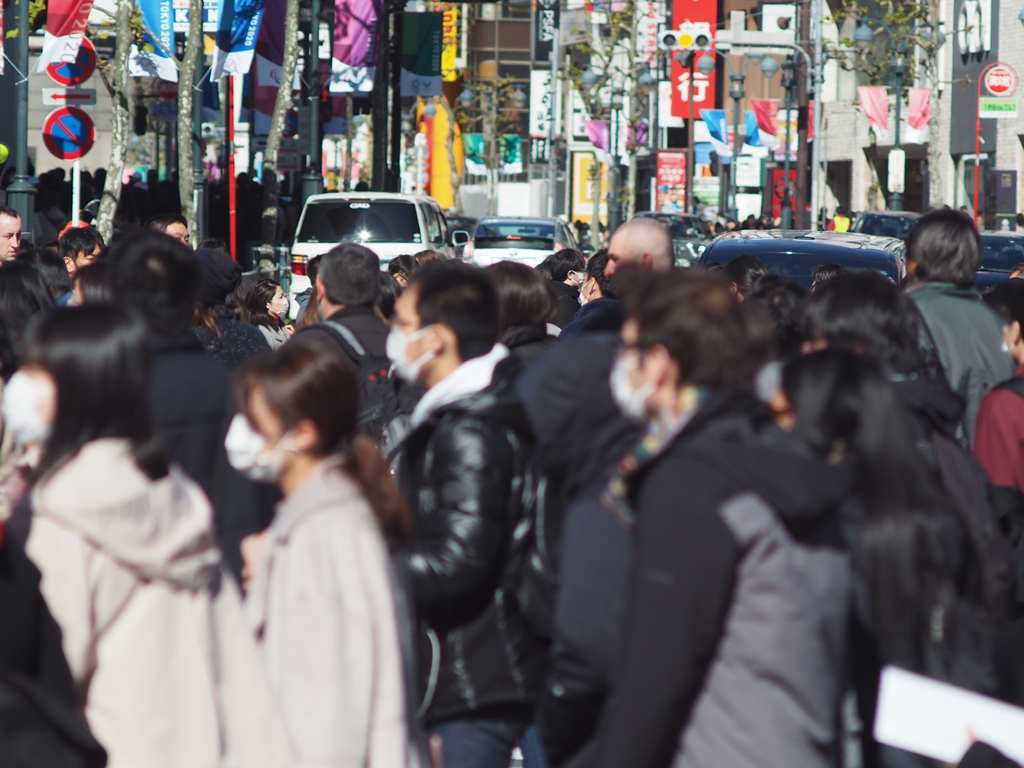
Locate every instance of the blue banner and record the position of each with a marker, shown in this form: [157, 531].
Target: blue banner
[238, 27]
[153, 58]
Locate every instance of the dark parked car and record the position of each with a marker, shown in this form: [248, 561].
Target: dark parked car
[886, 223]
[690, 235]
[794, 254]
[1003, 252]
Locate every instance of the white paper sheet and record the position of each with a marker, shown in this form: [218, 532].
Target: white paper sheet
[941, 721]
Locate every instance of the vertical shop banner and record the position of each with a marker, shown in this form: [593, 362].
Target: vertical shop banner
[66, 21]
[544, 104]
[452, 38]
[422, 40]
[652, 17]
[153, 59]
[975, 46]
[476, 162]
[702, 89]
[671, 182]
[546, 19]
[354, 60]
[238, 25]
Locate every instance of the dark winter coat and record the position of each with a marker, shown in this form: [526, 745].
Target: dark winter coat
[568, 303]
[527, 343]
[599, 315]
[734, 640]
[190, 394]
[364, 325]
[458, 470]
[239, 342]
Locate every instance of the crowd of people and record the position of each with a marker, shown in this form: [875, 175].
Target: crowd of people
[604, 512]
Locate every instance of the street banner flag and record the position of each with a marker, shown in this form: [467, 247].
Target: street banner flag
[511, 147]
[718, 126]
[422, 42]
[153, 58]
[354, 58]
[874, 100]
[766, 113]
[238, 26]
[918, 115]
[269, 60]
[600, 135]
[473, 144]
[66, 21]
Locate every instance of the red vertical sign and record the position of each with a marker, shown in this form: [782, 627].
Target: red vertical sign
[703, 87]
[671, 182]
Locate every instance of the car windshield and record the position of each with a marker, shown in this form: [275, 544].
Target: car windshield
[360, 222]
[681, 228]
[799, 267]
[1002, 254]
[888, 226]
[534, 235]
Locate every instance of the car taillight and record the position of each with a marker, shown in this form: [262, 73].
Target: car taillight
[298, 265]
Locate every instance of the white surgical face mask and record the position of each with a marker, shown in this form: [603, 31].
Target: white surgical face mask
[580, 278]
[280, 306]
[249, 453]
[24, 404]
[631, 401]
[397, 350]
[581, 298]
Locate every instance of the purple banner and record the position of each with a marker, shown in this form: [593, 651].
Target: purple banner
[354, 58]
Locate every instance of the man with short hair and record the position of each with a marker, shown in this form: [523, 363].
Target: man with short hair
[79, 247]
[599, 306]
[825, 272]
[643, 242]
[346, 288]
[10, 233]
[460, 467]
[171, 224]
[943, 254]
[159, 279]
[727, 513]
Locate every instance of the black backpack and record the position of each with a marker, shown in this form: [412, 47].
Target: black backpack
[380, 413]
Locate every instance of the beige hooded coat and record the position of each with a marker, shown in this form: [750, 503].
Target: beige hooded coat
[155, 636]
[323, 606]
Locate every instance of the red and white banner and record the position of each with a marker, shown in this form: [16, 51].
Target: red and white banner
[671, 182]
[874, 100]
[66, 21]
[918, 115]
[702, 89]
[766, 112]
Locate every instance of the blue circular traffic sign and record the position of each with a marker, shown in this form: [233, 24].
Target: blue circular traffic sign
[74, 72]
[68, 133]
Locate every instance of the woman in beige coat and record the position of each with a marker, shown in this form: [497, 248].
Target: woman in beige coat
[163, 662]
[321, 598]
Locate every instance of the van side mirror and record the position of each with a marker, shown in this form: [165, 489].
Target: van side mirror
[460, 237]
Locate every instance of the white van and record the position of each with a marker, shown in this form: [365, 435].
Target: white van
[386, 223]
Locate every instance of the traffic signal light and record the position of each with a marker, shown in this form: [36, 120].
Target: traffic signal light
[326, 106]
[690, 36]
[140, 119]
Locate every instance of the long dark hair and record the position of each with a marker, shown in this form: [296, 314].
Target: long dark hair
[309, 380]
[846, 408]
[23, 296]
[100, 360]
[255, 302]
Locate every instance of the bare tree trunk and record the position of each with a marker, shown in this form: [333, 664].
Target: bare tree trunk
[450, 146]
[636, 104]
[595, 224]
[936, 157]
[186, 93]
[117, 87]
[271, 185]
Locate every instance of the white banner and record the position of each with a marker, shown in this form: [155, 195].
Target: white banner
[542, 105]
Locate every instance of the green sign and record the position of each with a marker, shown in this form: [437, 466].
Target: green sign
[422, 42]
[997, 108]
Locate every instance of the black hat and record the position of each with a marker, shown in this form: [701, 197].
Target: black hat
[221, 275]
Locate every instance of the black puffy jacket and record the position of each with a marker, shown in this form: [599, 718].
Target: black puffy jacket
[459, 471]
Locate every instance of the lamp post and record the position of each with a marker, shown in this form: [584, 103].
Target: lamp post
[20, 194]
[863, 36]
[788, 80]
[615, 111]
[312, 177]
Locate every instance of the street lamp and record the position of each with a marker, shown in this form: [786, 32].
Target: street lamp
[788, 80]
[615, 110]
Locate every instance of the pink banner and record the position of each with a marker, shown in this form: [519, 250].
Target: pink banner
[66, 22]
[918, 115]
[874, 101]
[599, 133]
[354, 58]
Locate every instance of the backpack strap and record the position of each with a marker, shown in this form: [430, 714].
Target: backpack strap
[346, 335]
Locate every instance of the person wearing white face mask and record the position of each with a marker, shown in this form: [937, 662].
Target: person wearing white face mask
[152, 627]
[321, 598]
[599, 310]
[728, 515]
[266, 306]
[567, 275]
[459, 467]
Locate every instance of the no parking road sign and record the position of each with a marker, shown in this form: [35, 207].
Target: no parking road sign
[68, 133]
[74, 72]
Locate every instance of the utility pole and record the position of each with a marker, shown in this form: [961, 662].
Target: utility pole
[198, 224]
[21, 194]
[802, 156]
[379, 101]
[312, 177]
[552, 128]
